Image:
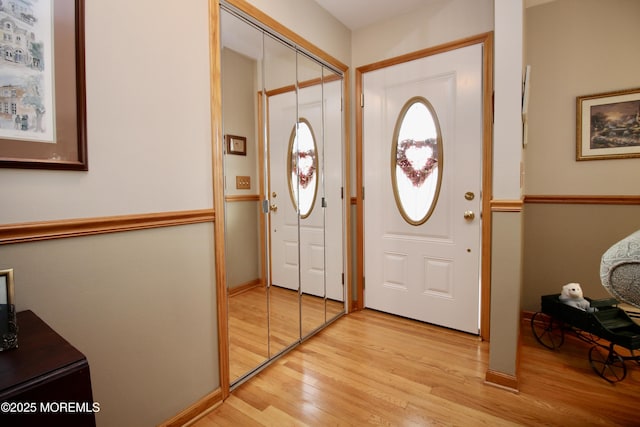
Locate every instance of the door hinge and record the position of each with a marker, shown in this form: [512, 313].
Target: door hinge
[493, 107]
[324, 202]
[343, 279]
[341, 192]
[362, 100]
[363, 284]
[362, 193]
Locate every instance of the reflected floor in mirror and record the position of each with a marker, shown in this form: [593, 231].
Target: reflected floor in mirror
[374, 368]
[248, 332]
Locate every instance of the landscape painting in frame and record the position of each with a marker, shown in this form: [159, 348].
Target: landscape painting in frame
[608, 125]
[26, 71]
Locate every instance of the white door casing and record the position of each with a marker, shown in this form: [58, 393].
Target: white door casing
[429, 272]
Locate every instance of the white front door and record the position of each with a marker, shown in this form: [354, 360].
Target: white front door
[427, 271]
[299, 241]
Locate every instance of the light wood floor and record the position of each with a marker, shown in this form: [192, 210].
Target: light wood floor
[257, 333]
[373, 368]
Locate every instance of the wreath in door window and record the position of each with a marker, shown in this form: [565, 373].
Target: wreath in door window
[302, 168]
[416, 161]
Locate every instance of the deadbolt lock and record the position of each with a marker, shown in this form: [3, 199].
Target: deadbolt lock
[469, 195]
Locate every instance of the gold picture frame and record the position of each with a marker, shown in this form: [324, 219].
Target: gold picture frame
[608, 125]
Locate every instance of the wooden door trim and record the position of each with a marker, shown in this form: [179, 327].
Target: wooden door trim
[486, 39]
[217, 161]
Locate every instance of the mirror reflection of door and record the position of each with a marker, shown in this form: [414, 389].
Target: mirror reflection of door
[284, 209]
[307, 165]
[335, 201]
[281, 114]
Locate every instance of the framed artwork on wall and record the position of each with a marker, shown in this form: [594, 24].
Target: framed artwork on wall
[236, 145]
[42, 86]
[608, 125]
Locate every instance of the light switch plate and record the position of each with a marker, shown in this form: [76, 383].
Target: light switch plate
[243, 182]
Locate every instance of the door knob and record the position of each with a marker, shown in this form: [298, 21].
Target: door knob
[273, 207]
[469, 215]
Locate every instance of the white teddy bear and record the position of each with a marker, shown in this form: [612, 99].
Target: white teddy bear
[572, 295]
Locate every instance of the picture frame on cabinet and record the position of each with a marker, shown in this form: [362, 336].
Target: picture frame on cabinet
[8, 324]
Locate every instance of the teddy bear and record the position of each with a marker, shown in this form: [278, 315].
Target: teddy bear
[572, 295]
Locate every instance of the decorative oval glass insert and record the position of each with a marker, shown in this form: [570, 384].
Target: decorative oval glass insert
[416, 161]
[302, 168]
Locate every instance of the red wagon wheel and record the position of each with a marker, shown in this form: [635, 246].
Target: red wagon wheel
[547, 330]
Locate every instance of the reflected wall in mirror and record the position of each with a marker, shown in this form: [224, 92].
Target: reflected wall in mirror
[284, 236]
[241, 56]
[8, 325]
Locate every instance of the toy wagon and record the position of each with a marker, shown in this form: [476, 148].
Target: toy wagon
[605, 329]
[620, 276]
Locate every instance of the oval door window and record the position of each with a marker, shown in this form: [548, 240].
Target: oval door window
[303, 168]
[416, 161]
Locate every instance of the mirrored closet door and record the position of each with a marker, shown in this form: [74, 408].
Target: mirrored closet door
[284, 206]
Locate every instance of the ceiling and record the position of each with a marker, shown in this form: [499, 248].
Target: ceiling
[355, 14]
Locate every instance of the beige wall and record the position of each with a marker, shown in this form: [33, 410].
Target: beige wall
[506, 240]
[506, 274]
[148, 119]
[139, 305]
[564, 243]
[575, 48]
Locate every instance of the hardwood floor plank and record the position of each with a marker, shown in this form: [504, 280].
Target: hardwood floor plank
[371, 368]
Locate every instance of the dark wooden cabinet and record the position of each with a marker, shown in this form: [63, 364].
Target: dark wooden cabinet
[45, 381]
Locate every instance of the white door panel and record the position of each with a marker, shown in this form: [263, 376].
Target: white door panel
[283, 215]
[333, 194]
[429, 272]
[312, 270]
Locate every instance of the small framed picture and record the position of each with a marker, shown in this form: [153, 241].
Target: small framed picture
[236, 145]
[608, 125]
[8, 325]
